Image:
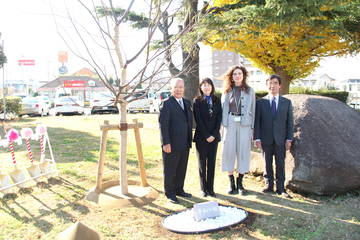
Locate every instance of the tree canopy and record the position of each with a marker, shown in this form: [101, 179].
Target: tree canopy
[285, 37]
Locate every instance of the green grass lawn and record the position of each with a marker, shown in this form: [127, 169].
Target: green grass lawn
[43, 210]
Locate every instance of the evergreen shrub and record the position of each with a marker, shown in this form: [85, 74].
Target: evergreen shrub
[12, 105]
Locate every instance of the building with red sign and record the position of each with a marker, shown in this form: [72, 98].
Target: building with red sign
[82, 86]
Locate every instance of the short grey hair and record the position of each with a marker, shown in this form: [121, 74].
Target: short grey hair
[175, 80]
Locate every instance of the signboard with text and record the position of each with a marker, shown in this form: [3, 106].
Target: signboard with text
[74, 84]
[62, 56]
[63, 70]
[206, 210]
[26, 62]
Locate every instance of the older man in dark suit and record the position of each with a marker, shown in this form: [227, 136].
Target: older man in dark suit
[274, 133]
[175, 121]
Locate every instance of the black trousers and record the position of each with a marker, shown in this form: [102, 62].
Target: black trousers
[268, 151]
[174, 165]
[206, 154]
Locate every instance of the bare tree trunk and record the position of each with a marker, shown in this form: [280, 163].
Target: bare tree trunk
[191, 62]
[123, 148]
[191, 58]
[285, 80]
[122, 119]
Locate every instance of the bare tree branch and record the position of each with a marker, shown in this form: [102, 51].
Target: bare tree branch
[125, 13]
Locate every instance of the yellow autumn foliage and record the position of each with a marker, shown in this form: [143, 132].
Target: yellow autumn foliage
[293, 49]
[219, 3]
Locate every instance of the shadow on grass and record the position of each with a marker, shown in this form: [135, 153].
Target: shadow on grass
[159, 210]
[57, 200]
[298, 219]
[38, 220]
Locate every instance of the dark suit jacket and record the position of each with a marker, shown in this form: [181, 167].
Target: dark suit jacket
[175, 127]
[207, 125]
[268, 128]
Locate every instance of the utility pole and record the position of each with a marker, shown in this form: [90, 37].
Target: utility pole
[4, 83]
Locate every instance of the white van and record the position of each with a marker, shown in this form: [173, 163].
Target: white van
[159, 96]
[144, 104]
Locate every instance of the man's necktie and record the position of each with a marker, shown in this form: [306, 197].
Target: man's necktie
[273, 106]
[181, 104]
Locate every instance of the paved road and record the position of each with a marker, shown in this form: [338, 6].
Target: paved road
[51, 113]
[87, 111]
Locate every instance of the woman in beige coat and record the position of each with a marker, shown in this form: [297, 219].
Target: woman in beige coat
[238, 104]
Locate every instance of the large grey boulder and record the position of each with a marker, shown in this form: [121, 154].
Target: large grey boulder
[325, 156]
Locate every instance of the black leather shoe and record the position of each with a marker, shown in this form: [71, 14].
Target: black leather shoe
[242, 192]
[212, 193]
[173, 200]
[283, 194]
[204, 194]
[184, 194]
[268, 190]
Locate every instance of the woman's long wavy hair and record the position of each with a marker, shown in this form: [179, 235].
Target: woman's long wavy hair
[201, 95]
[229, 82]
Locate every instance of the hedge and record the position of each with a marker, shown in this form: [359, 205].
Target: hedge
[12, 105]
[341, 96]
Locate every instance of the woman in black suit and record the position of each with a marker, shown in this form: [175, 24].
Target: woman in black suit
[208, 115]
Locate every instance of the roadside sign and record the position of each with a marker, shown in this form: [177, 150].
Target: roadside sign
[74, 83]
[26, 62]
[62, 56]
[63, 70]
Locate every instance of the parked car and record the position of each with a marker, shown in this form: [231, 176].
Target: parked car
[159, 96]
[103, 102]
[20, 95]
[69, 105]
[141, 105]
[34, 106]
[47, 101]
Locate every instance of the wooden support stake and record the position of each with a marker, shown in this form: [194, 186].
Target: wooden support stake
[140, 154]
[126, 126]
[102, 157]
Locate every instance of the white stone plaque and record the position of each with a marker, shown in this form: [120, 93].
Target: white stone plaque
[206, 210]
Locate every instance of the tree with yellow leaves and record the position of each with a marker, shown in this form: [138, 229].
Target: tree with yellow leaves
[288, 38]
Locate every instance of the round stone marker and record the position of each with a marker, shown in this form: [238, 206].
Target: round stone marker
[184, 221]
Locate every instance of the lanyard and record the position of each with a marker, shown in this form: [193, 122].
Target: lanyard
[237, 103]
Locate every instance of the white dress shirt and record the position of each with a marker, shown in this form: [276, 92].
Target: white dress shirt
[181, 102]
[276, 100]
